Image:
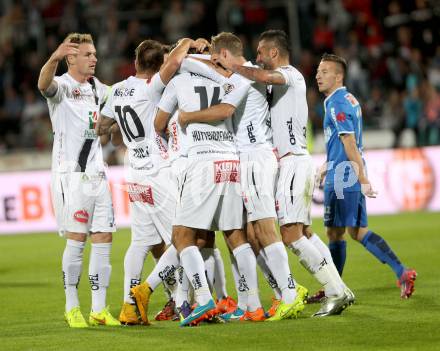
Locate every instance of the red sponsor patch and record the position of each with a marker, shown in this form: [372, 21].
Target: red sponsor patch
[277, 206]
[340, 117]
[81, 216]
[352, 100]
[227, 171]
[140, 193]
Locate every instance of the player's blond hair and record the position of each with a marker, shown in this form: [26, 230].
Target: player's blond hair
[79, 38]
[228, 41]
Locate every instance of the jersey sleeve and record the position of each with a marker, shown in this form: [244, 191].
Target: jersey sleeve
[107, 109]
[289, 75]
[236, 89]
[155, 88]
[342, 118]
[62, 88]
[168, 100]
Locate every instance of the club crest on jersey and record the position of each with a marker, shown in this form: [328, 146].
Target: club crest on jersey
[227, 87]
[81, 216]
[140, 193]
[341, 117]
[227, 171]
[76, 93]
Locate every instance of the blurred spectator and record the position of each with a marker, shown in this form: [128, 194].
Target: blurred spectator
[175, 22]
[413, 111]
[393, 117]
[34, 111]
[430, 123]
[374, 108]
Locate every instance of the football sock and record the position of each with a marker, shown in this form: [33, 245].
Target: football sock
[166, 290]
[261, 261]
[99, 274]
[164, 268]
[242, 295]
[183, 287]
[338, 250]
[219, 276]
[192, 262]
[133, 265]
[247, 267]
[322, 247]
[72, 267]
[380, 249]
[209, 260]
[278, 264]
[316, 264]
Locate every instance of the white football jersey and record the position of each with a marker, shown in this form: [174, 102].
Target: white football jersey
[289, 113]
[251, 118]
[176, 138]
[194, 92]
[133, 104]
[74, 111]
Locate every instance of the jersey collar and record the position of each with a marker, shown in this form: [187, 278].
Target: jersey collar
[328, 97]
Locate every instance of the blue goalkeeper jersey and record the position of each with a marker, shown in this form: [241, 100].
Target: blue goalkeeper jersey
[343, 115]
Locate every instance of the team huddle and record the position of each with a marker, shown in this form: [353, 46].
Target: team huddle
[214, 143]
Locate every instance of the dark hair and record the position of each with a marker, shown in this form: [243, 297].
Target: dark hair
[149, 56]
[337, 59]
[279, 39]
[228, 41]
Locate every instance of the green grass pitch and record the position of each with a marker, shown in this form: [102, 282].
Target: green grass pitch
[32, 301]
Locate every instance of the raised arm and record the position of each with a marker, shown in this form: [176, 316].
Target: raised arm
[176, 56]
[259, 75]
[46, 83]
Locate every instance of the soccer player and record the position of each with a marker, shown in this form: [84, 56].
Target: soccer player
[247, 102]
[346, 181]
[132, 105]
[289, 115]
[81, 194]
[210, 196]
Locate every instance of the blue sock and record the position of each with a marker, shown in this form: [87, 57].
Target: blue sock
[338, 249]
[380, 249]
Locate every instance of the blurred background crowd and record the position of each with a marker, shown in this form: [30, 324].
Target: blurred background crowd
[392, 47]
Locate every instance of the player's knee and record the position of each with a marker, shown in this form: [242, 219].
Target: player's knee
[99, 238]
[335, 234]
[357, 233]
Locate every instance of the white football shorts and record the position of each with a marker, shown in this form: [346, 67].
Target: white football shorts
[295, 189]
[210, 195]
[258, 176]
[152, 200]
[82, 203]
